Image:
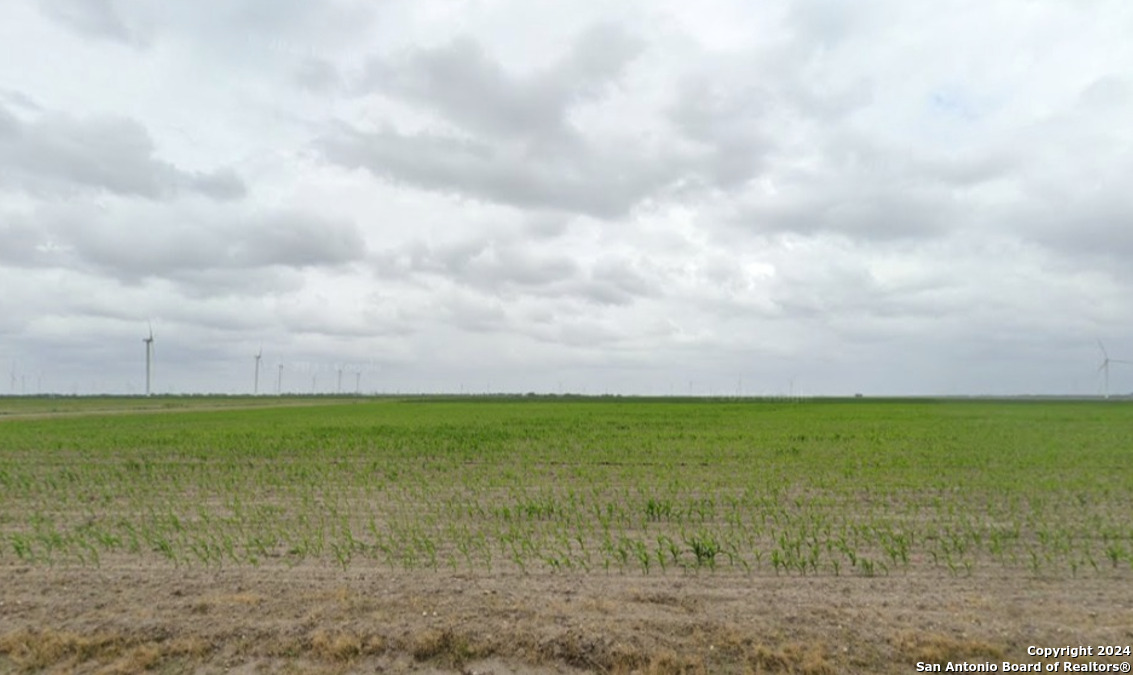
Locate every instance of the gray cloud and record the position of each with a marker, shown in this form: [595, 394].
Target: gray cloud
[509, 268]
[731, 123]
[473, 312]
[484, 264]
[1108, 92]
[500, 267]
[212, 283]
[464, 84]
[16, 99]
[824, 24]
[546, 225]
[872, 212]
[301, 240]
[222, 184]
[870, 190]
[618, 280]
[59, 154]
[92, 18]
[211, 250]
[516, 143]
[317, 75]
[584, 178]
[22, 244]
[1093, 223]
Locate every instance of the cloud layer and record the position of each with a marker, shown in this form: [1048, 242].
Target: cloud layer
[801, 197]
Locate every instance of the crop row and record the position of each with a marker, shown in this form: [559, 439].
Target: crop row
[655, 488]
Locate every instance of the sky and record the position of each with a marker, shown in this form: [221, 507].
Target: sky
[789, 197]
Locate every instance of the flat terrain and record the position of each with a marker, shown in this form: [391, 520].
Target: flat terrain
[559, 536]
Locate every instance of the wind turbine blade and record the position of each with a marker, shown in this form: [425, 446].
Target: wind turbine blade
[1102, 347]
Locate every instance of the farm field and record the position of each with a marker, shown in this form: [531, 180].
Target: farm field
[559, 535]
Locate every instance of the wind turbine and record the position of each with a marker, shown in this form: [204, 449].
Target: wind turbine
[279, 381]
[256, 382]
[1104, 367]
[13, 383]
[149, 357]
[340, 379]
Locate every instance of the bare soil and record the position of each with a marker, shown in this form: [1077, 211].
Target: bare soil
[125, 617]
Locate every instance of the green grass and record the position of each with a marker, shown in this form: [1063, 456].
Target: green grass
[839, 487]
[22, 406]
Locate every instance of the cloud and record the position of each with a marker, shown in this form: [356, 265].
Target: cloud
[222, 184]
[877, 212]
[512, 269]
[616, 196]
[293, 239]
[93, 18]
[583, 178]
[466, 86]
[317, 75]
[483, 264]
[16, 99]
[730, 123]
[58, 154]
[508, 139]
[824, 24]
[22, 244]
[209, 249]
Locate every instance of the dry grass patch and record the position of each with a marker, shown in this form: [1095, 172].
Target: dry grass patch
[442, 646]
[794, 659]
[33, 650]
[668, 662]
[136, 660]
[40, 650]
[916, 648]
[345, 646]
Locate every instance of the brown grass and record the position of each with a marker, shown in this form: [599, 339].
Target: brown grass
[445, 647]
[915, 648]
[314, 620]
[794, 658]
[33, 650]
[39, 650]
[345, 646]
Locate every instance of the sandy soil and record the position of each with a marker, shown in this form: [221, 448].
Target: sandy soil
[123, 618]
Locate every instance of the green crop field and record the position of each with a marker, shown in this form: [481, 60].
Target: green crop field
[828, 488]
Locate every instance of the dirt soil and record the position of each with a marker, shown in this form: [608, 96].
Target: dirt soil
[122, 618]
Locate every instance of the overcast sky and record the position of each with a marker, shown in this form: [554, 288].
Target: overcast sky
[655, 197]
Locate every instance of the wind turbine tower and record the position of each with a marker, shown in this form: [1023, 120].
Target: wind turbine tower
[1104, 367]
[256, 381]
[279, 381]
[149, 357]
